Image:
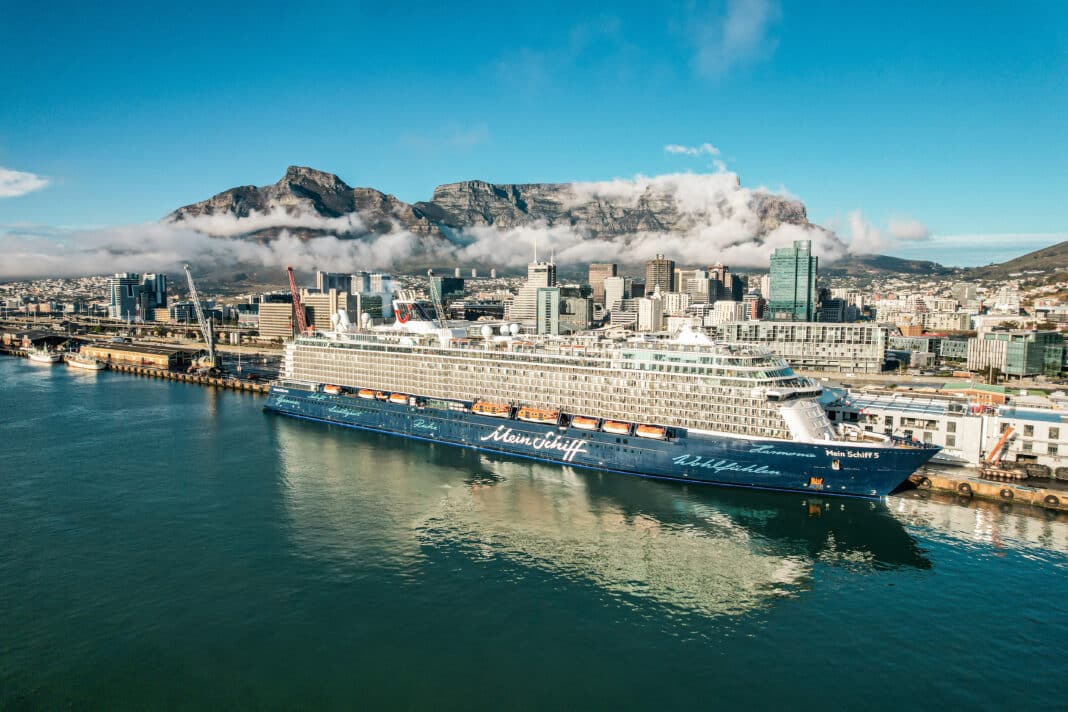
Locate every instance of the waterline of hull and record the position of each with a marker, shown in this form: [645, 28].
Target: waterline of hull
[832, 468]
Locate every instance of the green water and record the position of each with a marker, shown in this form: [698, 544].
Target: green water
[169, 546]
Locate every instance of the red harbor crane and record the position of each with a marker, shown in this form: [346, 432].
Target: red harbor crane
[302, 323]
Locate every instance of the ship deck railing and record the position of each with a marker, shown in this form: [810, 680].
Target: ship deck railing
[732, 354]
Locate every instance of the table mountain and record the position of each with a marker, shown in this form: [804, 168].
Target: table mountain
[312, 203]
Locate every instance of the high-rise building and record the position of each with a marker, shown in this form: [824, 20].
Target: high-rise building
[456, 273]
[651, 313]
[493, 273]
[616, 289]
[446, 288]
[524, 307]
[598, 273]
[754, 306]
[276, 316]
[576, 313]
[793, 283]
[721, 274]
[122, 295]
[548, 306]
[659, 272]
[325, 281]
[381, 286]
[381, 283]
[697, 284]
[676, 303]
[361, 282]
[731, 287]
[725, 311]
[152, 300]
[320, 306]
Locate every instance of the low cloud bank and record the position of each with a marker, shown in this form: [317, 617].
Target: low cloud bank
[712, 218]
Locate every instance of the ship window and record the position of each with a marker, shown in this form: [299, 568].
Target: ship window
[836, 465]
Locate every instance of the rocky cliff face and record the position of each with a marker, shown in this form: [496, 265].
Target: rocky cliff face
[306, 202]
[312, 203]
[605, 214]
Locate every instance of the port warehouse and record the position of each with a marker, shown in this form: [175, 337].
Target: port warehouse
[966, 427]
[153, 356]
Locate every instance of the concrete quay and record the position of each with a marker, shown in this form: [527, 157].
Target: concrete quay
[233, 384]
[964, 484]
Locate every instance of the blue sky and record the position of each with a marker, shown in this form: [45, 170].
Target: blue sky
[949, 114]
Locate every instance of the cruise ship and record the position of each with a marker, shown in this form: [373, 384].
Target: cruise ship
[681, 409]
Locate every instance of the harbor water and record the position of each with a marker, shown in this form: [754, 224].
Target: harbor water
[166, 545]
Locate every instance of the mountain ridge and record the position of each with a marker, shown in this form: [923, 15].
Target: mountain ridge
[318, 196]
[310, 203]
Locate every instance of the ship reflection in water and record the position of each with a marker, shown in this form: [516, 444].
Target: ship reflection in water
[359, 500]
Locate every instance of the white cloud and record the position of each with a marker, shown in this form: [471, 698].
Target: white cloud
[738, 37]
[864, 238]
[705, 218]
[165, 247]
[905, 228]
[16, 183]
[692, 150]
[226, 225]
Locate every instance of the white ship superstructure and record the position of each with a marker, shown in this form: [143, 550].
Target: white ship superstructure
[718, 388]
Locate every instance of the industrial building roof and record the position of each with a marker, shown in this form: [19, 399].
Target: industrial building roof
[907, 404]
[1000, 390]
[1042, 416]
[154, 349]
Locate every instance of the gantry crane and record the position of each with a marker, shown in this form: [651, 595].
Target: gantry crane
[206, 330]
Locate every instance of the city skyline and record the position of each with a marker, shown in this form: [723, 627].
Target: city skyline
[940, 155]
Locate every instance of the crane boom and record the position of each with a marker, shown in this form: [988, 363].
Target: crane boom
[998, 450]
[205, 324]
[302, 324]
[435, 296]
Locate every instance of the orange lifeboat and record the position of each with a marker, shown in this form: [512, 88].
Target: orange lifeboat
[399, 398]
[497, 410]
[381, 395]
[616, 428]
[654, 432]
[366, 393]
[332, 390]
[537, 415]
[583, 423]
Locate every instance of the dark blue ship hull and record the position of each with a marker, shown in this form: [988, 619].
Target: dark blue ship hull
[834, 468]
